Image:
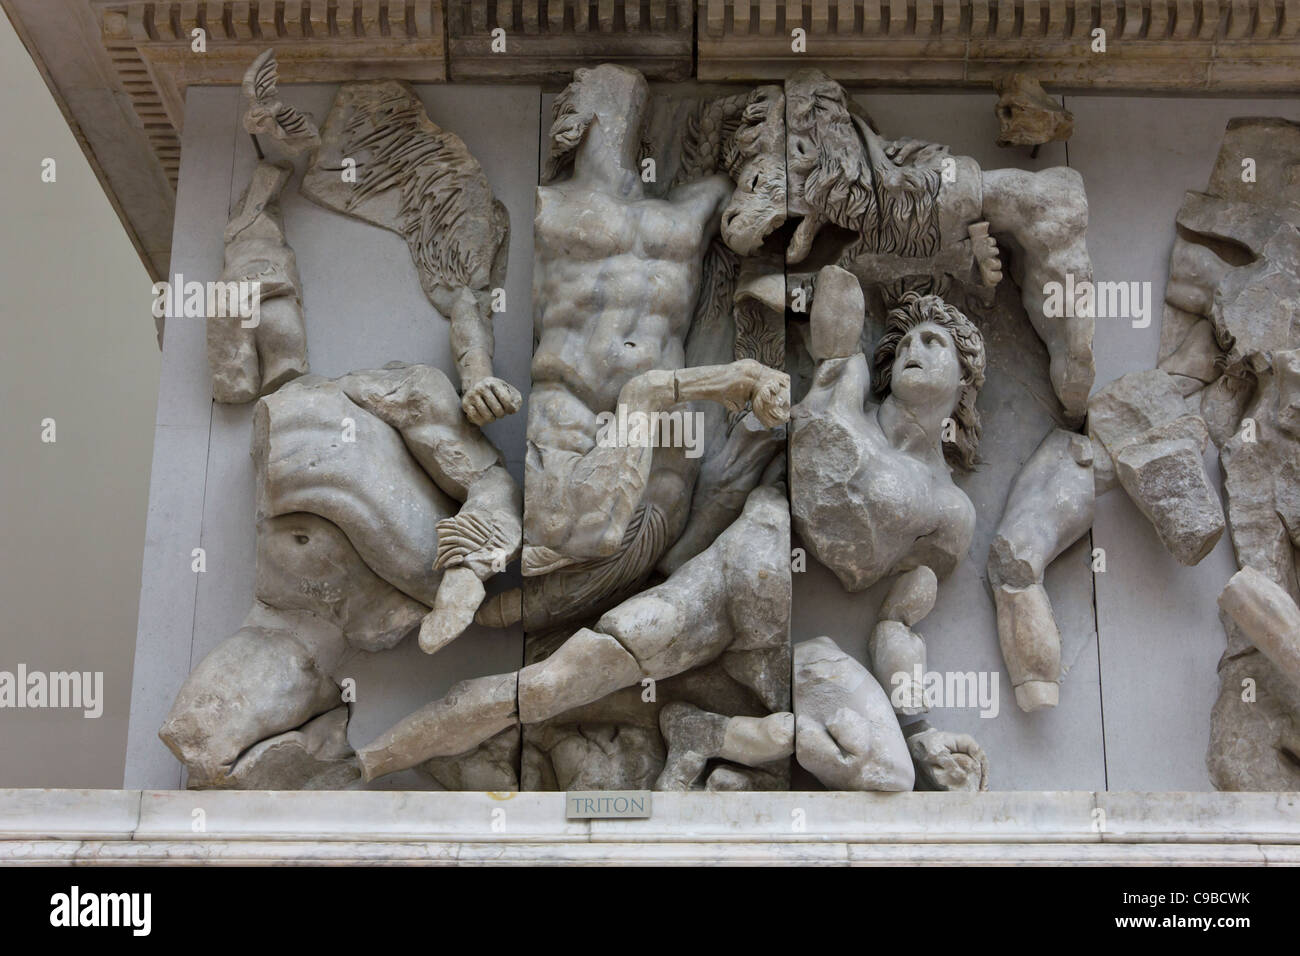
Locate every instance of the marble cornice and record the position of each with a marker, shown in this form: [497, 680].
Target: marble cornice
[119, 69]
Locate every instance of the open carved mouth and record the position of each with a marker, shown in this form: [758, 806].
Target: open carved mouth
[911, 363]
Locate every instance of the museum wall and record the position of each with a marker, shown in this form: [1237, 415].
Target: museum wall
[76, 346]
[1141, 639]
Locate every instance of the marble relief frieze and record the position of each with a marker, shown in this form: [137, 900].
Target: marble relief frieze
[761, 324]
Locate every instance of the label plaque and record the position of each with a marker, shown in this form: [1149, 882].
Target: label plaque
[607, 805]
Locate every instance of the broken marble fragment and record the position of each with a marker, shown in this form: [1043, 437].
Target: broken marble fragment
[491, 766]
[1049, 507]
[911, 597]
[471, 712]
[263, 112]
[1132, 404]
[1156, 445]
[315, 756]
[1268, 616]
[420, 181]
[946, 761]
[896, 652]
[1166, 480]
[846, 734]
[695, 737]
[257, 338]
[1027, 116]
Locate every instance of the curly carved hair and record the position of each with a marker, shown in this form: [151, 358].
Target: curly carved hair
[570, 117]
[915, 309]
[893, 208]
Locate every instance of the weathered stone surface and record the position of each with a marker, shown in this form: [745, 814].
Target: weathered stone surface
[1268, 615]
[420, 181]
[316, 756]
[1166, 479]
[1254, 744]
[1196, 357]
[472, 712]
[946, 761]
[257, 341]
[868, 498]
[263, 112]
[372, 491]
[1128, 407]
[695, 737]
[897, 656]
[491, 766]
[1155, 446]
[1049, 507]
[1231, 310]
[846, 734]
[911, 597]
[269, 678]
[1031, 644]
[925, 230]
[1027, 116]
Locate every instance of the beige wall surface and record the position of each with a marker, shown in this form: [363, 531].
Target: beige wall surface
[76, 345]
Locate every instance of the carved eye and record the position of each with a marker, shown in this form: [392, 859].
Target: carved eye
[301, 538]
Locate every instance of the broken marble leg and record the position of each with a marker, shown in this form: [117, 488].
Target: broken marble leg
[583, 669]
[1049, 507]
[1045, 216]
[897, 652]
[695, 737]
[257, 341]
[1267, 615]
[269, 677]
[472, 711]
[846, 734]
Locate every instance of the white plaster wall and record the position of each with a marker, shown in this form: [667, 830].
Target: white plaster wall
[1135, 703]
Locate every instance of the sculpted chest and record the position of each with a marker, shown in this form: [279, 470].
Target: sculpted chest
[590, 225]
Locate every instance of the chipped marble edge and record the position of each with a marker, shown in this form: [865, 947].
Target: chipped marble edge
[846, 825]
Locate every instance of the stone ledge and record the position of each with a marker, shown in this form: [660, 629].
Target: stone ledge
[132, 826]
[326, 853]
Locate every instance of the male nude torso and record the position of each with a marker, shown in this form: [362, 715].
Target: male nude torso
[616, 278]
[615, 284]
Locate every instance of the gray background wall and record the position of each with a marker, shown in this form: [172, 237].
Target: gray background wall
[77, 344]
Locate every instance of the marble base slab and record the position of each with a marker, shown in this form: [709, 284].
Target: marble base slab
[99, 827]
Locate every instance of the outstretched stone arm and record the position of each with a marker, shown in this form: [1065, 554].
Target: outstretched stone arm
[486, 398]
[1045, 214]
[1049, 507]
[838, 313]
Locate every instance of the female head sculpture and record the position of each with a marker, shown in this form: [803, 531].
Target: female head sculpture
[931, 352]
